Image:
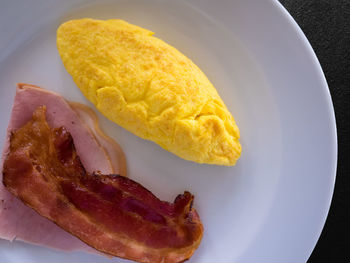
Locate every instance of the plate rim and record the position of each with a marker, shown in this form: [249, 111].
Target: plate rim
[330, 110]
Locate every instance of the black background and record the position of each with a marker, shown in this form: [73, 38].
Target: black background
[326, 23]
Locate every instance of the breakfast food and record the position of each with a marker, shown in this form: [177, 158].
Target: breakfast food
[149, 88]
[111, 213]
[18, 221]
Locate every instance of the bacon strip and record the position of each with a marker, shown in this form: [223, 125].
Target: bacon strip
[111, 213]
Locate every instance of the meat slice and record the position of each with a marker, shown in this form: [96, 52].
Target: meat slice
[18, 221]
[111, 213]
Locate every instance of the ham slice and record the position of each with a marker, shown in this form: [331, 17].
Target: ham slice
[20, 222]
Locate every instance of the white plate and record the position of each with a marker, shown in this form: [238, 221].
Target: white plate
[272, 205]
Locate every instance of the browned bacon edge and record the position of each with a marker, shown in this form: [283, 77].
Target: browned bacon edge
[111, 213]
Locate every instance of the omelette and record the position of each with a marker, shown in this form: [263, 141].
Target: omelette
[149, 88]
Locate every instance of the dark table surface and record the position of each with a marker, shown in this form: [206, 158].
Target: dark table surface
[326, 23]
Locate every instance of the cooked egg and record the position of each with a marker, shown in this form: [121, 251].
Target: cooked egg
[150, 88]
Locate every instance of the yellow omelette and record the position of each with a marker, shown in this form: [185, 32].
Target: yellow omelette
[150, 88]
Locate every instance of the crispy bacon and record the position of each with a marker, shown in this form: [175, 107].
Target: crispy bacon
[111, 213]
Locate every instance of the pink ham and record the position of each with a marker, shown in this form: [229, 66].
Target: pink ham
[20, 222]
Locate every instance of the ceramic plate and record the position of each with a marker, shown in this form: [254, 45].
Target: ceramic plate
[272, 205]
